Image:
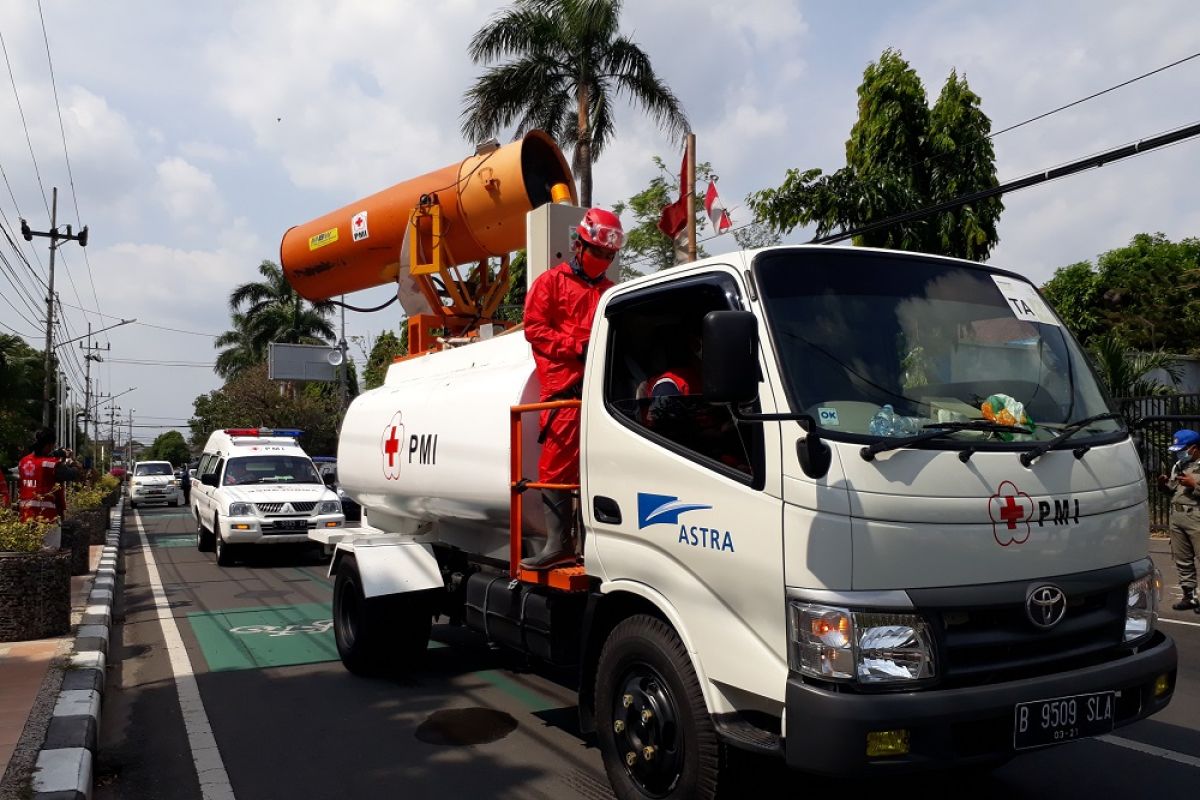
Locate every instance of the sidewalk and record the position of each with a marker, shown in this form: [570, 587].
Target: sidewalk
[24, 665]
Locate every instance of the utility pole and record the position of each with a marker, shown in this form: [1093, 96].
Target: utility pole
[691, 196]
[90, 355]
[112, 433]
[129, 458]
[54, 236]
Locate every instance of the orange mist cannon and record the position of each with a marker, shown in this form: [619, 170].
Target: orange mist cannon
[422, 232]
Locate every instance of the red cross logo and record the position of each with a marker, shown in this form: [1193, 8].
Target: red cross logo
[391, 443]
[1010, 509]
[358, 221]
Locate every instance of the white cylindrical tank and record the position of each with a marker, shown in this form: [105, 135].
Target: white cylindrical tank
[432, 444]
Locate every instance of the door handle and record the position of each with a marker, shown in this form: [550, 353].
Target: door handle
[606, 510]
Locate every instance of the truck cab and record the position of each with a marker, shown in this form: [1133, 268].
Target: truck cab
[909, 533]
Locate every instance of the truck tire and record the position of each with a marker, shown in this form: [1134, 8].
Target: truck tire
[204, 539]
[379, 635]
[225, 551]
[674, 752]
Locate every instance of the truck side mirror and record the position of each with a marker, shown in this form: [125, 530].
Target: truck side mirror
[209, 479]
[329, 479]
[730, 365]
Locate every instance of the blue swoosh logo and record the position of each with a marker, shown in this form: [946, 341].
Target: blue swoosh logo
[654, 509]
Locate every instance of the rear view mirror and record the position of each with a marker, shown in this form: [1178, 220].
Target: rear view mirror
[209, 479]
[730, 366]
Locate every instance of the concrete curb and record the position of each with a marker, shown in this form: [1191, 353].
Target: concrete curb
[65, 763]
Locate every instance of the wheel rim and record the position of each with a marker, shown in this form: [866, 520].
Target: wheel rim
[346, 606]
[646, 732]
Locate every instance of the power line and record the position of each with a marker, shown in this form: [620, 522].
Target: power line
[1139, 147]
[1094, 95]
[12, 79]
[17, 332]
[67, 156]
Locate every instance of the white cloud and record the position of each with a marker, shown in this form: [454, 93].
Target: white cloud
[188, 193]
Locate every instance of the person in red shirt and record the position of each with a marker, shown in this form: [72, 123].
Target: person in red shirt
[559, 310]
[41, 475]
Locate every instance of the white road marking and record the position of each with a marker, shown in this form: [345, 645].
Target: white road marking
[1179, 621]
[1151, 750]
[210, 769]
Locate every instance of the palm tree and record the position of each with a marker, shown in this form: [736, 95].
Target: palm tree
[1126, 373]
[569, 62]
[273, 312]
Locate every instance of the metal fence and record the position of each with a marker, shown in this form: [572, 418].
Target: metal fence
[1152, 438]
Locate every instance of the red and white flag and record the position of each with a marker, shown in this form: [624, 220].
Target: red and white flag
[716, 210]
[674, 215]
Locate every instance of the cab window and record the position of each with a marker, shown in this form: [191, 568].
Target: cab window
[654, 377]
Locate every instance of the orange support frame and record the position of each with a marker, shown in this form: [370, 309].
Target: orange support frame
[571, 579]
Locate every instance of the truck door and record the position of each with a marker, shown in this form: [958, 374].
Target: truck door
[682, 501]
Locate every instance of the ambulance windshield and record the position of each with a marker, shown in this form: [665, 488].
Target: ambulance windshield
[889, 345]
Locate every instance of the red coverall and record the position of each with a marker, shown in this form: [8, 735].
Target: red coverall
[559, 310]
[38, 499]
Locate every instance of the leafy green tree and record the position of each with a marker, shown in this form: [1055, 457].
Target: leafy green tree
[1127, 373]
[21, 371]
[268, 311]
[253, 400]
[512, 307]
[901, 156]
[1147, 294]
[569, 62]
[387, 347]
[170, 446]
[648, 249]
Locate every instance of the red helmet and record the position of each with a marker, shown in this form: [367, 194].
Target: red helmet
[601, 228]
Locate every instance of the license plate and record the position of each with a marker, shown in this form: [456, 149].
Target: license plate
[1062, 719]
[291, 524]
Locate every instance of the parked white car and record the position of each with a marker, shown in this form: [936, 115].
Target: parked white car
[154, 482]
[258, 486]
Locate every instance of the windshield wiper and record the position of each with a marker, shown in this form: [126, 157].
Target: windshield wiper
[1037, 451]
[935, 431]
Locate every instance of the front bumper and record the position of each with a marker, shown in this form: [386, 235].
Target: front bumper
[827, 730]
[255, 530]
[168, 494]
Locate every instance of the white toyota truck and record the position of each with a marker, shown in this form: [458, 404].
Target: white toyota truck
[895, 526]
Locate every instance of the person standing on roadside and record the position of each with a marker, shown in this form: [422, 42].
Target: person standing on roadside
[41, 476]
[1185, 513]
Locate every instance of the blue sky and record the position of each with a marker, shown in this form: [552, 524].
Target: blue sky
[198, 133]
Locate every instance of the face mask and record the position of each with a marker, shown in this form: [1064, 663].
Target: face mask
[593, 265]
[1182, 456]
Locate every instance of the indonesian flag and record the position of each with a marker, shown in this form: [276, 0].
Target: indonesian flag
[674, 215]
[716, 210]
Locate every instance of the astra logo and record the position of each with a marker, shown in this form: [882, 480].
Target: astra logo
[661, 509]
[656, 508]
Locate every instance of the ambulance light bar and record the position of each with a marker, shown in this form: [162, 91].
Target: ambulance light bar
[292, 432]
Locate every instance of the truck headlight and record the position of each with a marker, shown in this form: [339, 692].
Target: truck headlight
[1141, 609]
[329, 507]
[866, 646]
[241, 510]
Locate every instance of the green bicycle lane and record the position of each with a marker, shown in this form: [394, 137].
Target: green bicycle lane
[288, 719]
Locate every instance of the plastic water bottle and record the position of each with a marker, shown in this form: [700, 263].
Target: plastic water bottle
[884, 422]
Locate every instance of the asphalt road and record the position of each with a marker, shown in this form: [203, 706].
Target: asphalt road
[271, 713]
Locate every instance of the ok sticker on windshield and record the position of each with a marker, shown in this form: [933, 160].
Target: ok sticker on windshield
[1024, 301]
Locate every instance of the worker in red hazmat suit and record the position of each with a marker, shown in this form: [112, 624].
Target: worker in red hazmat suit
[558, 322]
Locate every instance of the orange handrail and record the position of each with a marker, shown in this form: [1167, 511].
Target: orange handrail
[518, 485]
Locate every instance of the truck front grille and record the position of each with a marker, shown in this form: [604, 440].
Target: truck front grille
[277, 508]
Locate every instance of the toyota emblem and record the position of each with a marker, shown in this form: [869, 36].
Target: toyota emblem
[1046, 606]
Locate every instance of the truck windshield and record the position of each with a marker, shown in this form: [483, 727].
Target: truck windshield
[877, 345]
[152, 469]
[269, 469]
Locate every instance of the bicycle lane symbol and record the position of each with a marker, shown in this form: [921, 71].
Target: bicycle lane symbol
[316, 626]
[267, 637]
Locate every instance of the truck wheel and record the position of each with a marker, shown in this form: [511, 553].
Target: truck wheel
[225, 551]
[204, 539]
[379, 635]
[655, 733]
